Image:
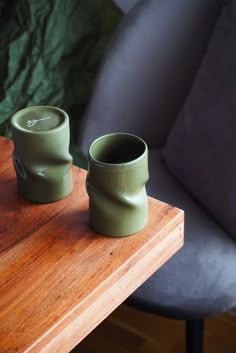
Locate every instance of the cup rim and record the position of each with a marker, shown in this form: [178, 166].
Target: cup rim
[133, 161]
[20, 112]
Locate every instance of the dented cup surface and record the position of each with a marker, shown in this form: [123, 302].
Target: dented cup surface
[117, 174]
[41, 156]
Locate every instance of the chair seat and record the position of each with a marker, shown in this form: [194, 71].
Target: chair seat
[199, 281]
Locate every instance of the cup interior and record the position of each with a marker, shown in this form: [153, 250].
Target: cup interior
[39, 119]
[117, 148]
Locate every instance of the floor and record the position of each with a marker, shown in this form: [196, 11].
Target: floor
[130, 331]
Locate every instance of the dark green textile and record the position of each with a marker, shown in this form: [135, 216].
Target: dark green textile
[49, 53]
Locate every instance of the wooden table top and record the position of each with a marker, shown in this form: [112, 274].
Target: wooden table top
[58, 278]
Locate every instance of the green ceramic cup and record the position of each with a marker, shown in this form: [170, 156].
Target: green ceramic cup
[41, 156]
[117, 173]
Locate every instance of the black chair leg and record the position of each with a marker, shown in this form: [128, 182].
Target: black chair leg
[194, 336]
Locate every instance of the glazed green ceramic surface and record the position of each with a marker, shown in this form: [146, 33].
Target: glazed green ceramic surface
[118, 171]
[41, 156]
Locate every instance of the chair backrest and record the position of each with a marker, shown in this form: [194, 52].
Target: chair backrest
[148, 69]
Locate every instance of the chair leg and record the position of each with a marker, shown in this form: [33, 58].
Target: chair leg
[194, 336]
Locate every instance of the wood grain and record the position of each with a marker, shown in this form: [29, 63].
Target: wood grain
[59, 279]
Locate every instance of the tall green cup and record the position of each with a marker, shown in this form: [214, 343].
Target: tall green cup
[117, 173]
[41, 156]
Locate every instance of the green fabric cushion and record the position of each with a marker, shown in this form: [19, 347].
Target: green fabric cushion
[49, 53]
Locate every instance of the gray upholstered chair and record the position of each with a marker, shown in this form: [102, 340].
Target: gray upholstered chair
[143, 82]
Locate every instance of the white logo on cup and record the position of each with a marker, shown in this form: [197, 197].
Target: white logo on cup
[31, 123]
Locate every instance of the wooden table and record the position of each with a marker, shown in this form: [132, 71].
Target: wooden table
[58, 278]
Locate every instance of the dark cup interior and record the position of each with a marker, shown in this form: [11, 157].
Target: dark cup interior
[117, 148]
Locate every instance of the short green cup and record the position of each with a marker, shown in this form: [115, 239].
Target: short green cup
[117, 173]
[41, 156]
